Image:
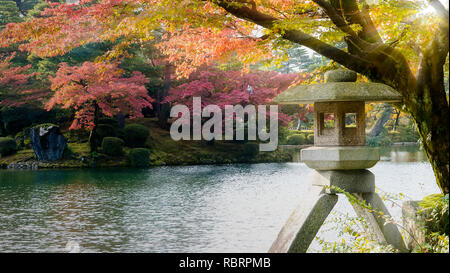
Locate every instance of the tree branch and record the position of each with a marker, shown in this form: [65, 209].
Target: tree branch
[267, 21]
[440, 9]
[353, 15]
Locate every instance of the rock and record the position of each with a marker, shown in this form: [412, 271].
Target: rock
[47, 141]
[340, 75]
[414, 224]
[32, 165]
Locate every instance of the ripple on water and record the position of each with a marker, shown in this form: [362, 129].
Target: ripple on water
[226, 208]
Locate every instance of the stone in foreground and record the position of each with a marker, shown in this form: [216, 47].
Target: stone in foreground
[340, 157]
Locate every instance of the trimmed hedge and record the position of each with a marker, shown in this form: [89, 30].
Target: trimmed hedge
[102, 131]
[296, 139]
[109, 121]
[8, 146]
[139, 157]
[251, 149]
[136, 135]
[112, 146]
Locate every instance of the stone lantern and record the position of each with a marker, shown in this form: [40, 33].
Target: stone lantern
[339, 159]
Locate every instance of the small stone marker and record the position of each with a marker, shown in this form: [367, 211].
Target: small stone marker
[338, 158]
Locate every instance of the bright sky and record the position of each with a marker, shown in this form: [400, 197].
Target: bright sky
[430, 8]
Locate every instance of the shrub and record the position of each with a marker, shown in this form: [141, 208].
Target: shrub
[296, 139]
[110, 121]
[283, 134]
[7, 146]
[310, 139]
[251, 149]
[136, 135]
[435, 208]
[105, 130]
[112, 146]
[382, 139]
[102, 131]
[139, 157]
[68, 152]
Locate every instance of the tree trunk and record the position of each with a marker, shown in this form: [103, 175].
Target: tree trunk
[397, 118]
[120, 120]
[93, 136]
[426, 102]
[379, 124]
[163, 109]
[299, 124]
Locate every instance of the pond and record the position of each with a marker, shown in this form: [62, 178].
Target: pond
[215, 208]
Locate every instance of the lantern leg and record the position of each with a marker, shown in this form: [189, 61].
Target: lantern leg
[381, 230]
[304, 222]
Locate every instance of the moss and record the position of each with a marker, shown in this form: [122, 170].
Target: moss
[46, 126]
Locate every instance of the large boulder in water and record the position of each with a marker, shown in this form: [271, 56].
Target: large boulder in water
[47, 141]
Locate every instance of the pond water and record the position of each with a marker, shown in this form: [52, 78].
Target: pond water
[221, 208]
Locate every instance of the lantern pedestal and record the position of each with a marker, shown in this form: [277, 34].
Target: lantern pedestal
[306, 220]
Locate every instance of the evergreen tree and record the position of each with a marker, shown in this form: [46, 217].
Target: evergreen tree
[9, 13]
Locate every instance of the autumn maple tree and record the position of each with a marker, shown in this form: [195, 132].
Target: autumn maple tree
[95, 88]
[400, 43]
[15, 89]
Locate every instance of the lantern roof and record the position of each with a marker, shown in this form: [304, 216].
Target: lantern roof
[340, 86]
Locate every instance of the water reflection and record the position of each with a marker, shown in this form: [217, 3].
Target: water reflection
[403, 153]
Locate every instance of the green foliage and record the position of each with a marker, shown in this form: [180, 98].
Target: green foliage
[404, 133]
[283, 133]
[352, 235]
[77, 136]
[15, 119]
[110, 121]
[68, 152]
[435, 209]
[28, 6]
[102, 131]
[310, 139]
[8, 146]
[139, 157]
[136, 135]
[45, 68]
[251, 149]
[382, 139]
[9, 12]
[296, 139]
[355, 228]
[112, 146]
